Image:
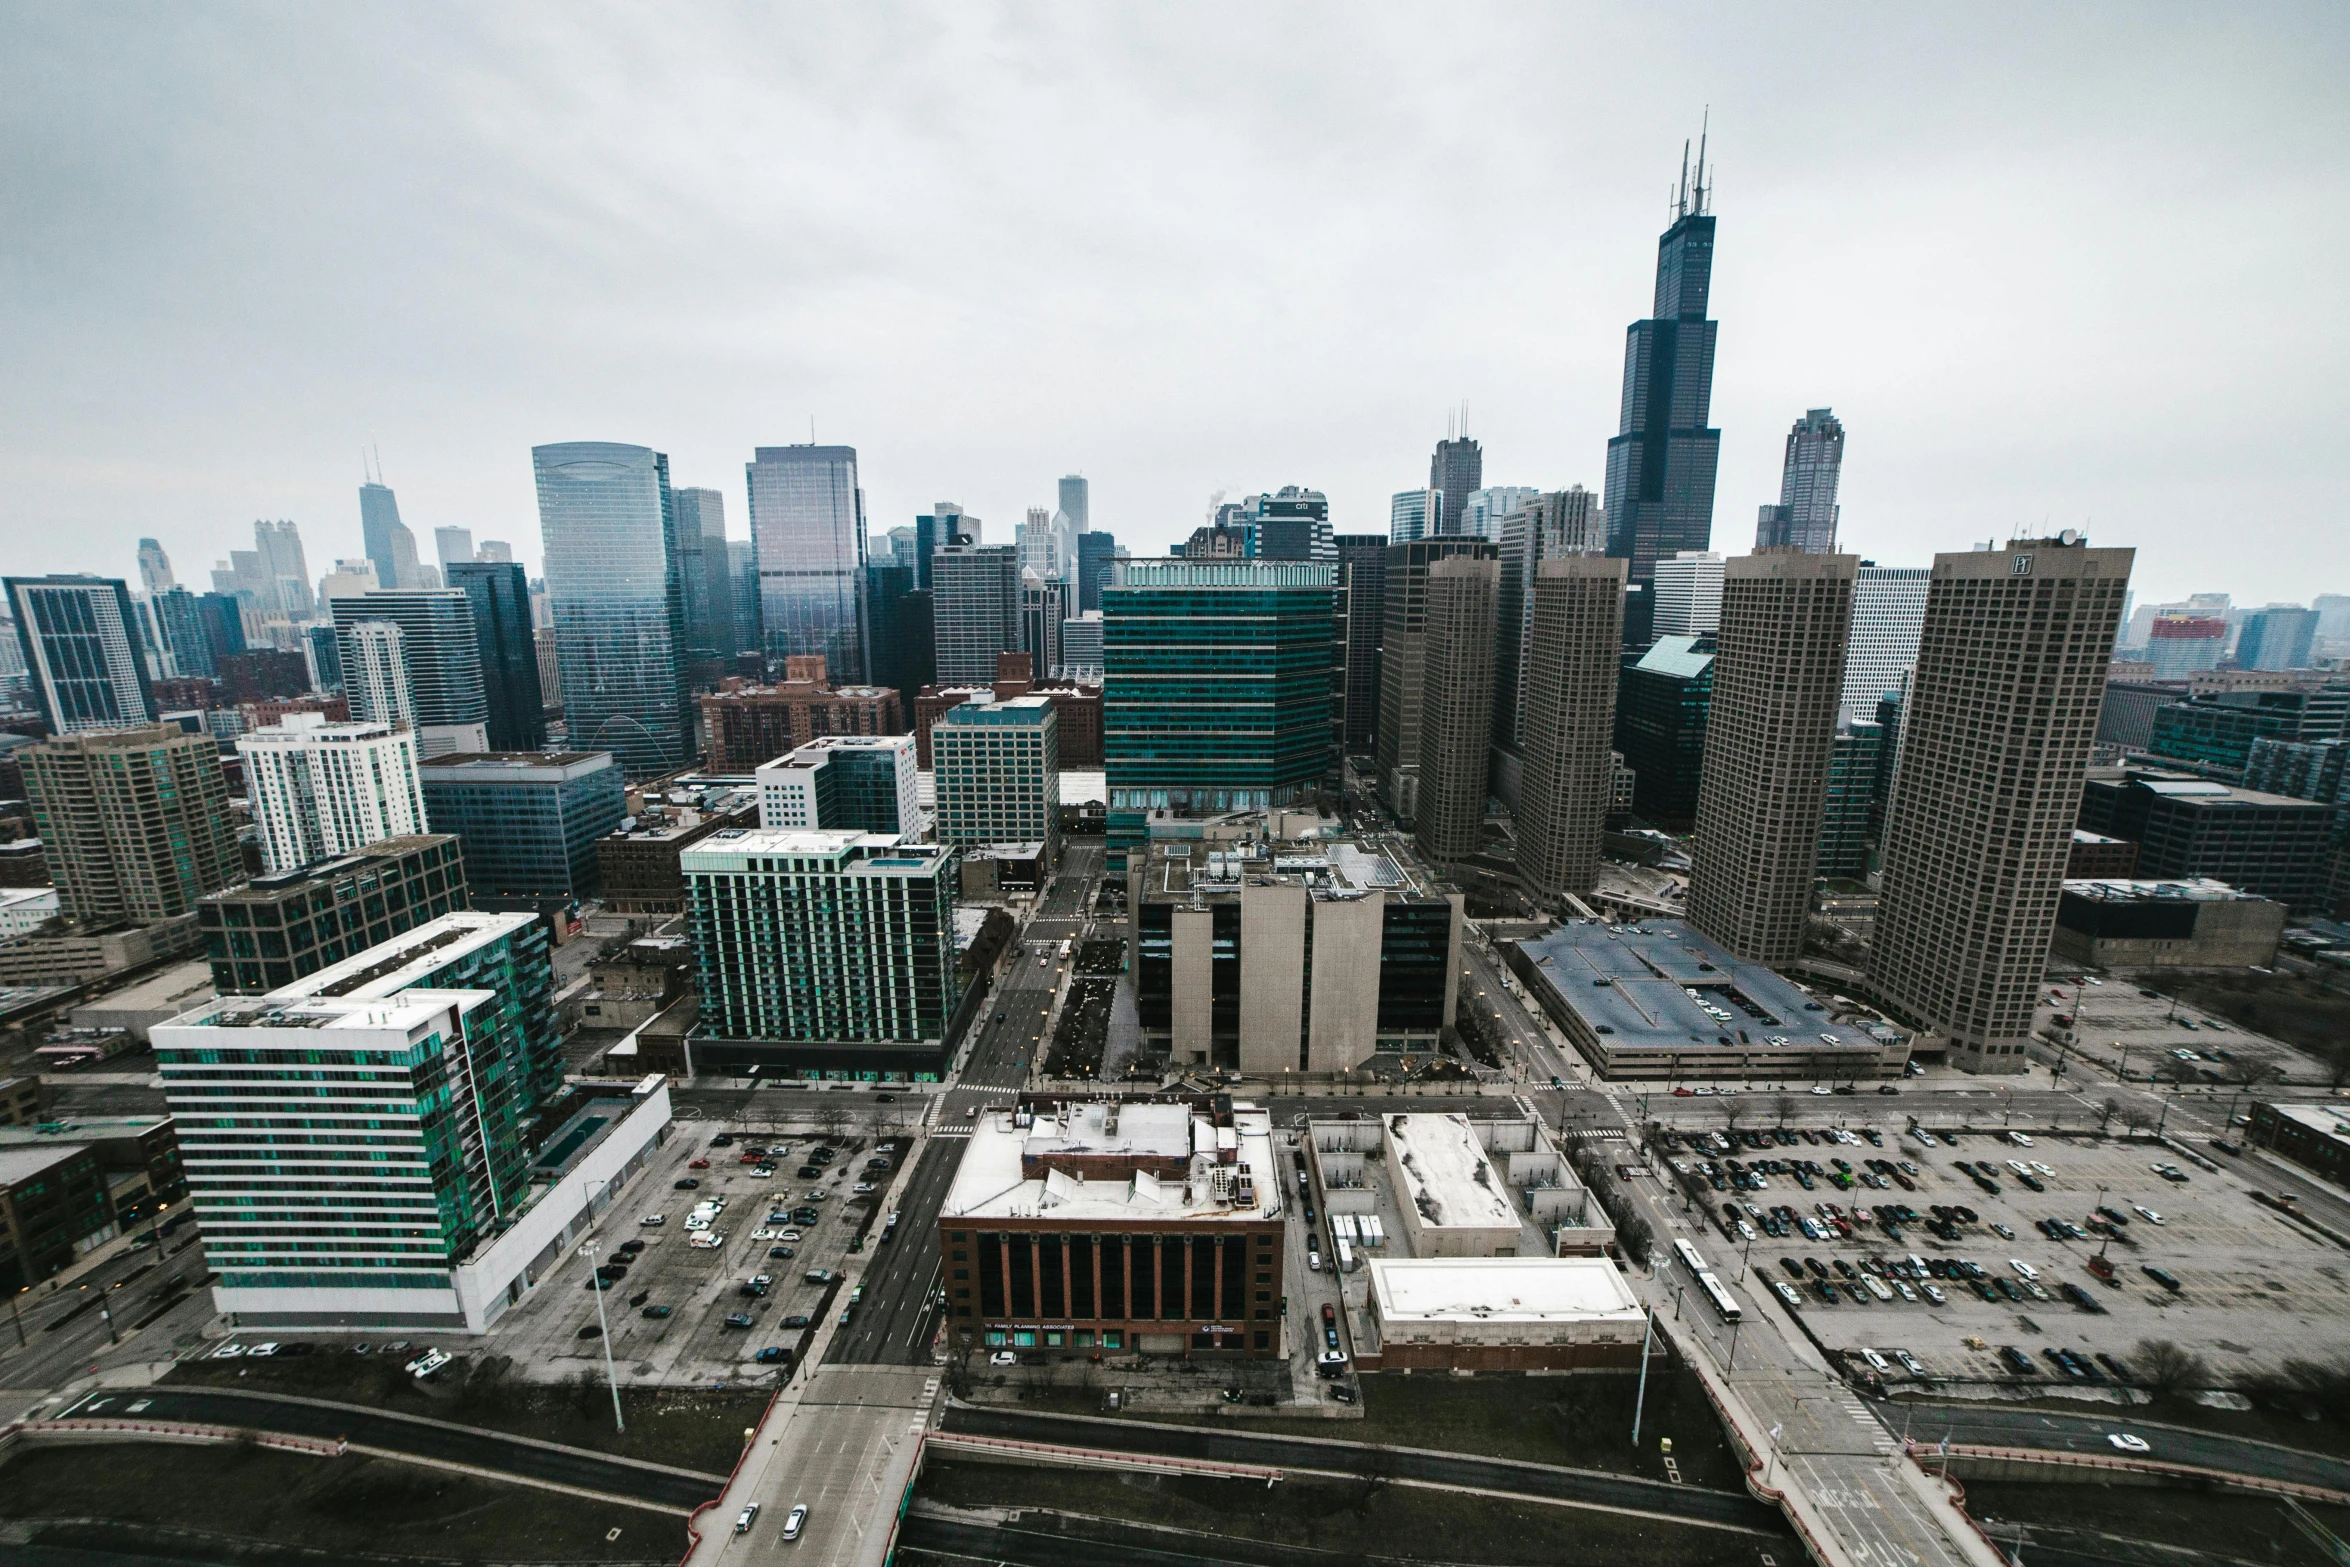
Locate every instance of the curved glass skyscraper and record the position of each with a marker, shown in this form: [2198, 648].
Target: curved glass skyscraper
[808, 531]
[608, 527]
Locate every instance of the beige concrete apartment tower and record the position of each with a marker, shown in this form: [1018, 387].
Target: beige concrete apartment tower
[1994, 742]
[1456, 706]
[1769, 732]
[1576, 630]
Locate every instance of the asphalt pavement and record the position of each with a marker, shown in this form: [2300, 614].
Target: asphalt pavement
[681, 1489]
[2055, 1432]
[1459, 1470]
[895, 1322]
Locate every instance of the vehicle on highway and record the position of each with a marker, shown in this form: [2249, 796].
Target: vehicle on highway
[2127, 1442]
[773, 1355]
[796, 1320]
[821, 1275]
[794, 1521]
[748, 1517]
[738, 1319]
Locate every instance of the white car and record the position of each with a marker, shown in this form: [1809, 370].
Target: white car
[795, 1521]
[1003, 1357]
[2043, 1169]
[1877, 1363]
[697, 1222]
[2024, 1271]
[862, 1189]
[1910, 1363]
[705, 1240]
[789, 1237]
[2148, 1214]
[262, 1349]
[2128, 1443]
[141, 1407]
[429, 1362]
[653, 1220]
[1822, 1089]
[228, 1352]
[2019, 1139]
[766, 1235]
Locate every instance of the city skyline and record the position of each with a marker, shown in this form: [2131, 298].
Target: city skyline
[1988, 255]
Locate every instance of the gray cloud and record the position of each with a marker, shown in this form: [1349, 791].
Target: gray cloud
[2075, 267]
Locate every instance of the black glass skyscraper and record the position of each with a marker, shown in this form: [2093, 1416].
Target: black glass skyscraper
[1456, 472]
[500, 595]
[1660, 464]
[808, 528]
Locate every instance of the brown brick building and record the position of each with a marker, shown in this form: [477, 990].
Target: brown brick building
[1118, 1227]
[1078, 708]
[750, 724]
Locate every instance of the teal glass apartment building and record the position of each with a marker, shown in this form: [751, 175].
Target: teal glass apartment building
[1216, 692]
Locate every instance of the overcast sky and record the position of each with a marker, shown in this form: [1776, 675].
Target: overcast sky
[2077, 266]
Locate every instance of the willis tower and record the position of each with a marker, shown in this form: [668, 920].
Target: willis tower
[1660, 464]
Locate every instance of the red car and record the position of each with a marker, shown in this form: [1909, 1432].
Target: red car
[698, 1164]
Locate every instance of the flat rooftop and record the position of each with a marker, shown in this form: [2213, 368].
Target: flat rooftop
[23, 1163]
[389, 967]
[2319, 1119]
[1442, 1170]
[1659, 984]
[281, 1010]
[1332, 868]
[989, 1183]
[2194, 889]
[1153, 1131]
[1503, 1289]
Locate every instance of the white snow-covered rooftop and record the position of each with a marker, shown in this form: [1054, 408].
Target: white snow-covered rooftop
[1444, 1172]
[1503, 1289]
[990, 1183]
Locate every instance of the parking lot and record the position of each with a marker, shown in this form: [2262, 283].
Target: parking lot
[2253, 1287]
[692, 1290]
[2125, 1027]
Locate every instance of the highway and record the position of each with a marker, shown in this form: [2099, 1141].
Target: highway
[66, 1331]
[680, 1489]
[2068, 1433]
[1458, 1470]
[895, 1322]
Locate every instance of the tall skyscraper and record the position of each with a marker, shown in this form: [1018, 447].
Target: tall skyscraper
[321, 789]
[1778, 679]
[808, 527]
[975, 610]
[1995, 742]
[499, 594]
[1456, 706]
[1575, 631]
[1403, 661]
[2185, 644]
[494, 552]
[387, 540]
[1888, 616]
[375, 672]
[608, 527]
[134, 822]
[82, 651]
[1414, 514]
[440, 649]
[742, 566]
[1549, 526]
[452, 546]
[1362, 578]
[180, 625]
[1292, 523]
[704, 576]
[1081, 648]
[154, 567]
[1076, 501]
[1039, 545]
[1853, 768]
[284, 572]
[1216, 688]
[2278, 637]
[1688, 594]
[222, 615]
[1805, 518]
[941, 527]
[1097, 565]
[1044, 604]
[1482, 512]
[1661, 462]
[1455, 472]
[905, 639]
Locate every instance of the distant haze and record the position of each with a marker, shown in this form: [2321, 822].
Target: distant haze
[2077, 265]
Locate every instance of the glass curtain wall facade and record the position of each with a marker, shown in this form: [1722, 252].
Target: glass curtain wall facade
[500, 595]
[608, 526]
[808, 531]
[82, 647]
[1216, 688]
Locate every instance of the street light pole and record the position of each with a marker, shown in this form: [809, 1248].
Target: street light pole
[604, 1332]
[1640, 1399]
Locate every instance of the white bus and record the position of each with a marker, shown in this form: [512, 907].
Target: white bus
[1689, 1257]
[1724, 1303]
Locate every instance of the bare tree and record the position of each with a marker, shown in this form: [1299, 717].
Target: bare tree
[1782, 1106]
[2135, 1119]
[2165, 1370]
[2107, 1111]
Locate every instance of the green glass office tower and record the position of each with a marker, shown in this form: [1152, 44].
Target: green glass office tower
[1216, 688]
[609, 528]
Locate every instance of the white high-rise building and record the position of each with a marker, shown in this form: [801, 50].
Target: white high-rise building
[320, 789]
[454, 546]
[1888, 617]
[1081, 647]
[375, 674]
[1689, 594]
[1040, 547]
[1481, 514]
[1414, 514]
